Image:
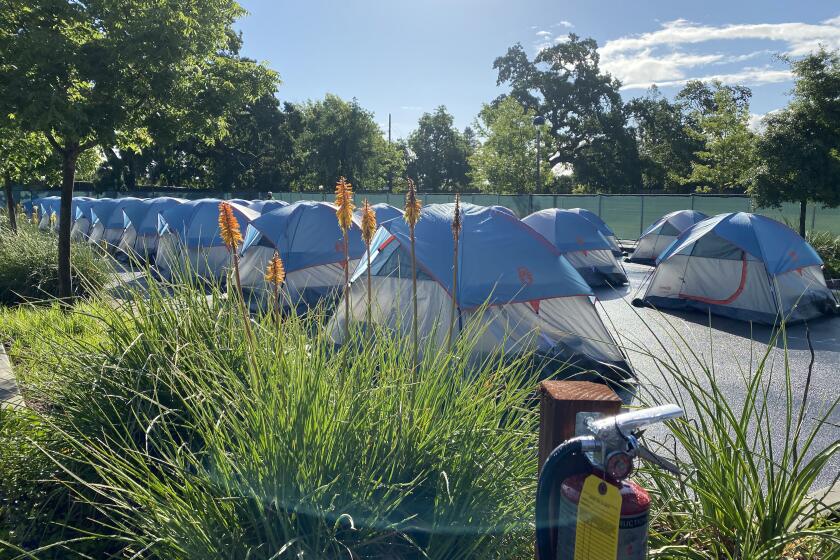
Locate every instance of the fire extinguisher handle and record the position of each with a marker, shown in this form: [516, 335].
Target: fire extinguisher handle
[568, 459]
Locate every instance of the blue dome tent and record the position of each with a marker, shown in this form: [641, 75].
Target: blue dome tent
[141, 225]
[384, 212]
[82, 218]
[48, 206]
[190, 232]
[579, 240]
[265, 206]
[108, 221]
[662, 233]
[512, 284]
[744, 266]
[311, 244]
[602, 226]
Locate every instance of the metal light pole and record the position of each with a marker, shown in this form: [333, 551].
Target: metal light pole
[539, 120]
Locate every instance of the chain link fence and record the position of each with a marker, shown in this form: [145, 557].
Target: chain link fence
[627, 215]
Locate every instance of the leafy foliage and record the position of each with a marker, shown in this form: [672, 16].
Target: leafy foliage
[29, 269]
[438, 153]
[505, 160]
[666, 149]
[341, 139]
[727, 159]
[587, 117]
[800, 148]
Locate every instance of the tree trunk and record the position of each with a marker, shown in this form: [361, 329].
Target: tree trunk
[803, 205]
[10, 204]
[70, 156]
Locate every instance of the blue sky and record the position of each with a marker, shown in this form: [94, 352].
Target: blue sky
[407, 57]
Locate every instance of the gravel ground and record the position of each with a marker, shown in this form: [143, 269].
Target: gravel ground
[736, 347]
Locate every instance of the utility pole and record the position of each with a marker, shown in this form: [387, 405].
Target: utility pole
[390, 173]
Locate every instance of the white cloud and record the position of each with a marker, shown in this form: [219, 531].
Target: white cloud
[660, 56]
[543, 33]
[564, 23]
[411, 107]
[747, 77]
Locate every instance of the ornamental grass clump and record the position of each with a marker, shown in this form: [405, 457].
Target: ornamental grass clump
[184, 455]
[344, 214]
[749, 455]
[29, 266]
[368, 230]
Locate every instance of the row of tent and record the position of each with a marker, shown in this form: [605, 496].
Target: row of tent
[739, 265]
[529, 281]
[526, 282]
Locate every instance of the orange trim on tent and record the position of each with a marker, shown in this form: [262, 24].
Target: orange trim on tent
[734, 295]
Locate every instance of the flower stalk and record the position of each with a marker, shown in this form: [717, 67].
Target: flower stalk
[412, 216]
[275, 274]
[368, 230]
[456, 234]
[344, 213]
[232, 236]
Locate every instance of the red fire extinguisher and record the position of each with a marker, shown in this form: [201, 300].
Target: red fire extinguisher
[591, 473]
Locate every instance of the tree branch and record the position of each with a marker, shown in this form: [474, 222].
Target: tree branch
[54, 143]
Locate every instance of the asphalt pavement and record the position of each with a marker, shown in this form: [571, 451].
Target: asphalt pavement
[733, 348]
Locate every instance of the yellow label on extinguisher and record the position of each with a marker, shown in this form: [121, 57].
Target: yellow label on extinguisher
[599, 512]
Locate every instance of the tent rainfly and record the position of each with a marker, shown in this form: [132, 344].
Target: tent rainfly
[108, 221]
[602, 226]
[141, 220]
[744, 266]
[311, 245]
[662, 233]
[513, 287]
[190, 232]
[579, 240]
[82, 218]
[384, 212]
[266, 206]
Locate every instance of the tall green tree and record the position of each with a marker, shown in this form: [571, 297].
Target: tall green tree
[105, 72]
[588, 131]
[23, 159]
[727, 160]
[506, 159]
[666, 148]
[800, 148]
[439, 153]
[341, 139]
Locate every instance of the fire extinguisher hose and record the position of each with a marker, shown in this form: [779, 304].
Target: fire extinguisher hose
[567, 459]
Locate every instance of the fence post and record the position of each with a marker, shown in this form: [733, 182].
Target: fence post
[560, 402]
[813, 217]
[691, 197]
[642, 217]
[600, 203]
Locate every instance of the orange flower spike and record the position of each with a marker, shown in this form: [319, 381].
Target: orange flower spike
[229, 227]
[275, 273]
[456, 219]
[368, 222]
[412, 205]
[344, 202]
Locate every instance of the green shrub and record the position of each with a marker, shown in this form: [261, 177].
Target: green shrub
[748, 461]
[828, 246]
[29, 266]
[198, 444]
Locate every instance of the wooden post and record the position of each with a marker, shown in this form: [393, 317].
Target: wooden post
[560, 401]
